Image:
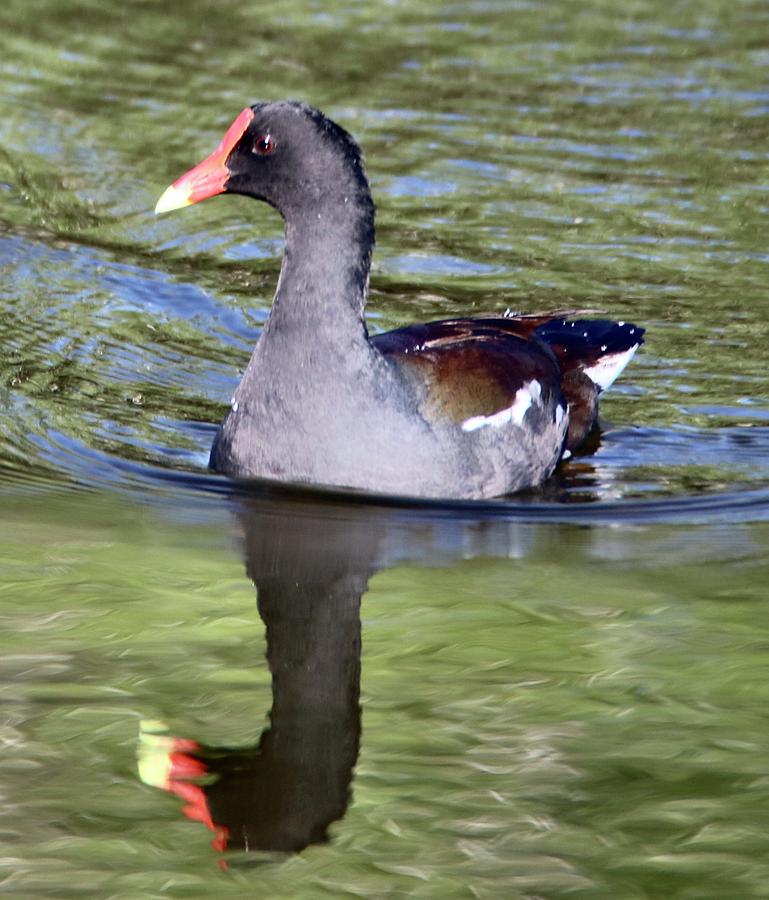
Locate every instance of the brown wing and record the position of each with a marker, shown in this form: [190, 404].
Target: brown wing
[473, 367]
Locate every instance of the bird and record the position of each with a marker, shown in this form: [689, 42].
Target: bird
[465, 408]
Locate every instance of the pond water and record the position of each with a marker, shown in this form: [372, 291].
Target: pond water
[562, 693]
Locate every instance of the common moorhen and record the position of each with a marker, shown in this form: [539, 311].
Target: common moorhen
[460, 408]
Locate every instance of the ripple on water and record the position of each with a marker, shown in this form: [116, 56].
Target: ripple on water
[563, 691]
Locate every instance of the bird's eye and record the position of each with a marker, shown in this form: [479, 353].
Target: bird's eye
[264, 145]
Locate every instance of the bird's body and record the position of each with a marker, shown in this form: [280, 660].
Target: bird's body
[473, 407]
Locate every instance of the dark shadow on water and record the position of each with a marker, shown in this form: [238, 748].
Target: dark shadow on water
[310, 566]
[310, 572]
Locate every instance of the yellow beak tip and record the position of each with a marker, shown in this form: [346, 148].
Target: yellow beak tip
[172, 198]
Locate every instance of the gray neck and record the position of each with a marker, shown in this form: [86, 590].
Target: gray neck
[315, 337]
[323, 282]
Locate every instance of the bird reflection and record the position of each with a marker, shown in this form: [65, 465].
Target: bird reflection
[310, 561]
[310, 564]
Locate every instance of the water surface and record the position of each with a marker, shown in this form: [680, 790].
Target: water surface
[559, 694]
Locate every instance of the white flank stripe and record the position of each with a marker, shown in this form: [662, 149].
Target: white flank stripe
[523, 399]
[606, 370]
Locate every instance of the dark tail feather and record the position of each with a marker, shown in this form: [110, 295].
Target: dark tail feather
[591, 353]
[600, 348]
